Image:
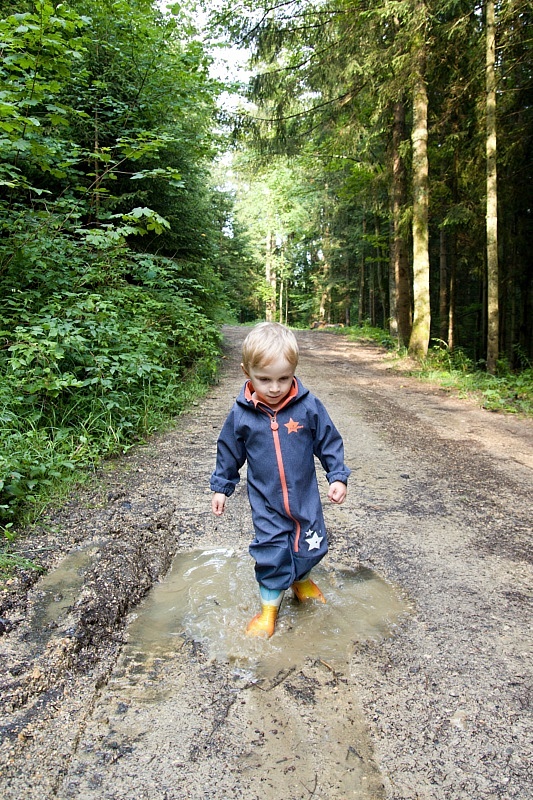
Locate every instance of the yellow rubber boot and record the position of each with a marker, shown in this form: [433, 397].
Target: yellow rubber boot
[307, 590]
[263, 625]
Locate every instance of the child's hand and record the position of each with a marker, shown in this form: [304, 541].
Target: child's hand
[218, 503]
[337, 492]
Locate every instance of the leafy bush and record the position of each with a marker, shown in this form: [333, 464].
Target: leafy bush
[87, 374]
[99, 342]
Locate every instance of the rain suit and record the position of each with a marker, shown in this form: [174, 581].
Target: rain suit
[279, 448]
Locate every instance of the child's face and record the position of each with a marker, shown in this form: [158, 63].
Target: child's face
[272, 383]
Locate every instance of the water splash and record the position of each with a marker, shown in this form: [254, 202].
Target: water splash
[210, 595]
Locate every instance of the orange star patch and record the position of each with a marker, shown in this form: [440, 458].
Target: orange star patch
[292, 426]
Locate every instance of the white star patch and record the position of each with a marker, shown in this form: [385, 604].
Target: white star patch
[314, 542]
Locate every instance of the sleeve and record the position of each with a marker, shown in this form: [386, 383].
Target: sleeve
[328, 445]
[231, 455]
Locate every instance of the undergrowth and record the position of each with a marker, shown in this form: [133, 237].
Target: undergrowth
[367, 333]
[509, 391]
[87, 374]
[43, 463]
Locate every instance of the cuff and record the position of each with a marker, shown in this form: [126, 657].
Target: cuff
[224, 487]
[340, 475]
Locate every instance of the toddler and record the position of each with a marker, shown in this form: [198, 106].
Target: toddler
[278, 426]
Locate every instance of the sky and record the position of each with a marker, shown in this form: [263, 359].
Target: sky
[229, 62]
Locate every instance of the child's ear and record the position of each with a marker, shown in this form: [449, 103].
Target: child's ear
[244, 370]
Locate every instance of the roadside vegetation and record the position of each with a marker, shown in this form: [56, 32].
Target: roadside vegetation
[509, 391]
[111, 252]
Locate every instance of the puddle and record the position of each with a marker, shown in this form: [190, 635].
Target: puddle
[211, 595]
[58, 590]
[163, 721]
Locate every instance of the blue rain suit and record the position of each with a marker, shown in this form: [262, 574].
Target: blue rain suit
[280, 446]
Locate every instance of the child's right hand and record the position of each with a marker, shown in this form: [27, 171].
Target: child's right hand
[218, 503]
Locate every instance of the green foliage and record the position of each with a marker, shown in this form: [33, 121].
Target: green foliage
[39, 50]
[508, 391]
[368, 333]
[87, 374]
[109, 285]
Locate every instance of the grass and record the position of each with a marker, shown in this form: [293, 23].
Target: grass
[158, 414]
[10, 562]
[366, 333]
[509, 391]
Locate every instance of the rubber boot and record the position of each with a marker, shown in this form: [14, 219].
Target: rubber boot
[263, 624]
[306, 589]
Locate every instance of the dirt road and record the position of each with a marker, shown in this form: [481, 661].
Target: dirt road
[105, 698]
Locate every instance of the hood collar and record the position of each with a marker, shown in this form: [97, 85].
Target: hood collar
[249, 394]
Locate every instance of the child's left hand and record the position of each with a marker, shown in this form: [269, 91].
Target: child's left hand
[337, 492]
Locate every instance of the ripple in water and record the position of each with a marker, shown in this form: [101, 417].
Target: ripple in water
[210, 596]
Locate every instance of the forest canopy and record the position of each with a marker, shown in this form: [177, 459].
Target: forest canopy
[406, 128]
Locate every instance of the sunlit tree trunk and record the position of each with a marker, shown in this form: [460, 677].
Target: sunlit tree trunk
[324, 305]
[492, 196]
[451, 293]
[270, 276]
[419, 341]
[400, 294]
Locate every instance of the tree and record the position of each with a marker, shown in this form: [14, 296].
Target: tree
[397, 89]
[493, 313]
[419, 339]
[400, 292]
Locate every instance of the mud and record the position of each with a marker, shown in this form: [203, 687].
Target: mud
[430, 701]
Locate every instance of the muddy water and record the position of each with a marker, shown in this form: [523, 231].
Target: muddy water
[57, 591]
[210, 595]
[196, 709]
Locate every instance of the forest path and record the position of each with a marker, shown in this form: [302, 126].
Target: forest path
[439, 506]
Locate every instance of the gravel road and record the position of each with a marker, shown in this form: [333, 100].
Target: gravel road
[117, 682]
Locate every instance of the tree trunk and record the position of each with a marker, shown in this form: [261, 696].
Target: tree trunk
[270, 277]
[348, 300]
[393, 312]
[324, 304]
[492, 197]
[451, 291]
[361, 314]
[443, 288]
[379, 272]
[419, 341]
[400, 294]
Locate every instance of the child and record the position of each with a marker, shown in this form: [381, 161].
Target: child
[278, 426]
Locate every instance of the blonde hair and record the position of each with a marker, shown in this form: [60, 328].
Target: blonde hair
[267, 341]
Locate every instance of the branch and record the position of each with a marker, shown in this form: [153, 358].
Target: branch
[316, 12]
[347, 96]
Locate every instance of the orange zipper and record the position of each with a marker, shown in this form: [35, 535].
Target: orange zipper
[284, 488]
